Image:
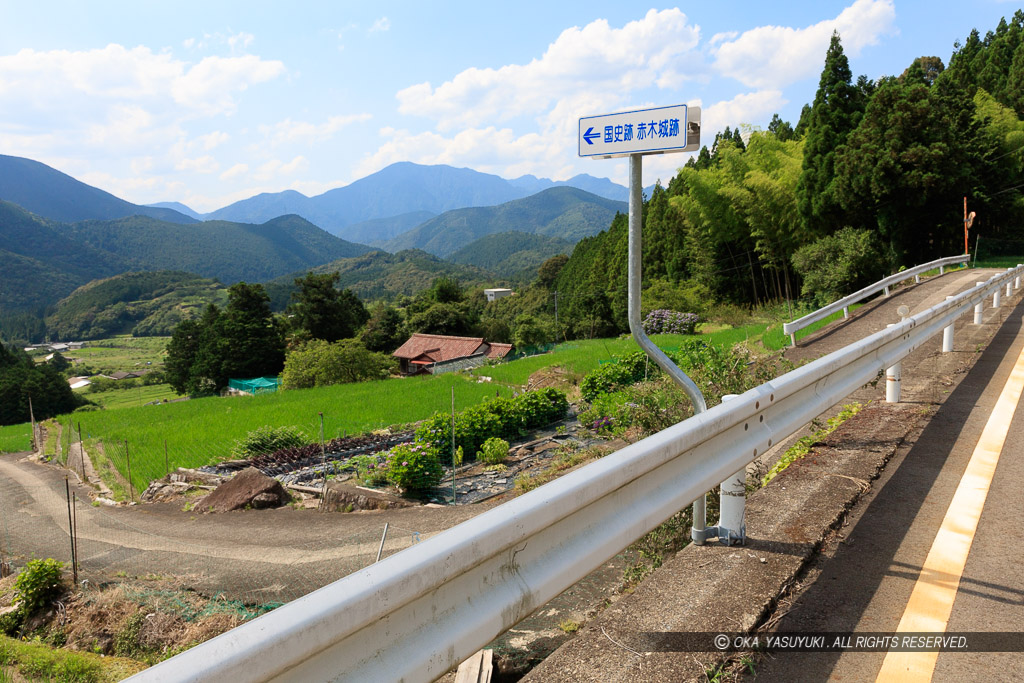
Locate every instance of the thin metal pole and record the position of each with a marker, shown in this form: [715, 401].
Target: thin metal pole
[131, 491]
[381, 548]
[637, 328]
[453, 445]
[32, 420]
[71, 530]
[81, 451]
[323, 464]
[74, 524]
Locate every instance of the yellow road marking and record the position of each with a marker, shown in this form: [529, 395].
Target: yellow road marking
[932, 598]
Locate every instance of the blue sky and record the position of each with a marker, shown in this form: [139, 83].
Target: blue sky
[209, 103]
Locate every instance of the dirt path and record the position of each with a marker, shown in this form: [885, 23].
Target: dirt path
[285, 552]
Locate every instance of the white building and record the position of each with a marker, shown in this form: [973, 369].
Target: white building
[499, 293]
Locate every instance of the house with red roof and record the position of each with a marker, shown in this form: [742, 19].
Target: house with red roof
[436, 353]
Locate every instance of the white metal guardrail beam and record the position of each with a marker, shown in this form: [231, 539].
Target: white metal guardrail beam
[791, 328]
[420, 612]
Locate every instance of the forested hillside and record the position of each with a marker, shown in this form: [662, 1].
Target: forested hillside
[42, 263]
[141, 304]
[227, 251]
[380, 275]
[872, 178]
[511, 254]
[47, 192]
[563, 212]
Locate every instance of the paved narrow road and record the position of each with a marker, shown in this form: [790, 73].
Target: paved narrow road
[935, 545]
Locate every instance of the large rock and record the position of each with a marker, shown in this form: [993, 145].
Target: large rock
[250, 488]
[342, 498]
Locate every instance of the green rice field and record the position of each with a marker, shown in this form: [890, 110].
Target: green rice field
[15, 438]
[202, 431]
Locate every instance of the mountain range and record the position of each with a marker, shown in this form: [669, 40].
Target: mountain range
[44, 260]
[401, 189]
[58, 233]
[45, 191]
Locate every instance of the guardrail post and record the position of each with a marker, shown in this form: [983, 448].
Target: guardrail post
[886, 290]
[1009, 290]
[942, 270]
[893, 377]
[732, 529]
[1016, 280]
[917, 279]
[846, 311]
[979, 308]
[995, 298]
[947, 335]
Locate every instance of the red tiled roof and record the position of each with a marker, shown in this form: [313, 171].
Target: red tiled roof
[499, 350]
[438, 348]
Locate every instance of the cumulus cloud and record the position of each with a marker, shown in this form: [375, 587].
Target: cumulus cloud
[289, 132]
[234, 171]
[596, 57]
[275, 168]
[382, 24]
[203, 164]
[63, 85]
[775, 56]
[744, 108]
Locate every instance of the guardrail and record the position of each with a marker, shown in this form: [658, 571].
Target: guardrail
[843, 304]
[420, 612]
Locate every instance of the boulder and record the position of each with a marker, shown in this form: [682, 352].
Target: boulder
[250, 488]
[342, 498]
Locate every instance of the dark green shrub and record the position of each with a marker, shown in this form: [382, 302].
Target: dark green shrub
[38, 584]
[493, 452]
[499, 417]
[838, 264]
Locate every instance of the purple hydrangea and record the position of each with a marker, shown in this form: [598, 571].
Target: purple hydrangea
[664, 321]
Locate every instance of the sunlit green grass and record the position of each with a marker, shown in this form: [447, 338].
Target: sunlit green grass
[136, 396]
[202, 431]
[16, 438]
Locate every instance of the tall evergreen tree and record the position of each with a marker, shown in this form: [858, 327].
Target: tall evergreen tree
[324, 311]
[836, 112]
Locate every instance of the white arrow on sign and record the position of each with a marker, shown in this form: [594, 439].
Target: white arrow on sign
[644, 131]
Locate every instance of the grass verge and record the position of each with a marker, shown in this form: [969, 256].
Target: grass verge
[36, 661]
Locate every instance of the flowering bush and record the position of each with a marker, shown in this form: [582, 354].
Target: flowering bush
[413, 466]
[664, 321]
[370, 469]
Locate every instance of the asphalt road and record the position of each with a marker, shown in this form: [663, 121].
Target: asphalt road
[864, 579]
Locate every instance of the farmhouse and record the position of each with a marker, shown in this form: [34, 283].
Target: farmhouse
[436, 354]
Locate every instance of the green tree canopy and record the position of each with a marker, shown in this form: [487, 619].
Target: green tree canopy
[835, 113]
[324, 311]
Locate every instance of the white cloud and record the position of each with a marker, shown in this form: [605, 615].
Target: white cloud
[744, 108]
[203, 164]
[382, 24]
[289, 132]
[65, 87]
[214, 139]
[234, 171]
[775, 56]
[653, 51]
[275, 168]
